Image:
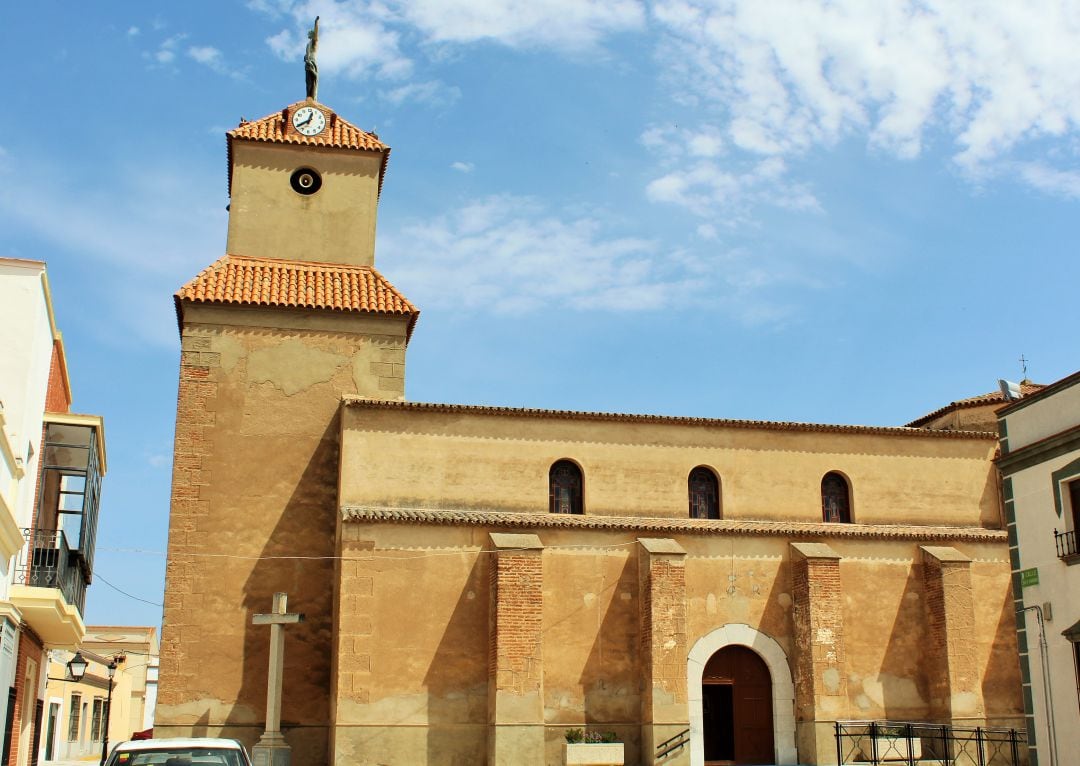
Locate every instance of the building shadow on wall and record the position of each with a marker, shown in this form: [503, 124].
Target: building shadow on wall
[611, 678]
[201, 727]
[902, 680]
[457, 679]
[1001, 685]
[305, 530]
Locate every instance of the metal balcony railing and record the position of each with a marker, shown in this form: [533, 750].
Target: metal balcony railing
[47, 561]
[1065, 542]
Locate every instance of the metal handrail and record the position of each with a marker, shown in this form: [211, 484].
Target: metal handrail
[669, 746]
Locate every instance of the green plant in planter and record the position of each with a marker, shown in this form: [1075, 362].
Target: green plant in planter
[579, 736]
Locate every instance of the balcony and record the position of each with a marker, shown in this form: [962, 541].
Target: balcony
[49, 588]
[1065, 543]
[56, 561]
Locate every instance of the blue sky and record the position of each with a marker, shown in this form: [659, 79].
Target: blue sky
[837, 212]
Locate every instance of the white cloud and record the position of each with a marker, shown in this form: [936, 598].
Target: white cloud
[133, 32]
[561, 24]
[361, 37]
[432, 93]
[509, 254]
[462, 167]
[205, 54]
[710, 189]
[166, 51]
[1063, 183]
[797, 74]
[355, 39]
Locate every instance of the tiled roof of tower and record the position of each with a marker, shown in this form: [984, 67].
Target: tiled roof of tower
[339, 133]
[994, 397]
[244, 281]
[276, 129]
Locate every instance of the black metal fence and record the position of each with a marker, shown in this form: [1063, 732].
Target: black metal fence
[47, 561]
[894, 743]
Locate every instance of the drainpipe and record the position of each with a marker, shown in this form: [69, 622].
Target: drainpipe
[1047, 693]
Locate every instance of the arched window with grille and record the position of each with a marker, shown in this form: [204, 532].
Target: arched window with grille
[564, 488]
[704, 490]
[835, 498]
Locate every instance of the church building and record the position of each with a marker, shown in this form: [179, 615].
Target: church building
[478, 582]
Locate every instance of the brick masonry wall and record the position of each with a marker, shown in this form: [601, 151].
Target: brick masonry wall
[56, 395]
[196, 399]
[820, 681]
[30, 647]
[515, 656]
[954, 683]
[663, 631]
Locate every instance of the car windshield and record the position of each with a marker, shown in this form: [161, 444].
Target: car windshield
[179, 756]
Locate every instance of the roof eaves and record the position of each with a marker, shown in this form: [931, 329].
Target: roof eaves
[360, 401]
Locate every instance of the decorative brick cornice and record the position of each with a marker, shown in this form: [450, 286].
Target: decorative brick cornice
[764, 425]
[656, 526]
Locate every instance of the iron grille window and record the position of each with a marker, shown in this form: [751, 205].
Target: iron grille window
[704, 494]
[96, 719]
[564, 482]
[74, 715]
[835, 499]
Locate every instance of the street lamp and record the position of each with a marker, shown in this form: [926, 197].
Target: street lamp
[111, 668]
[77, 667]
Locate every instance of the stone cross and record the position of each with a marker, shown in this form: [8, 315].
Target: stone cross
[272, 749]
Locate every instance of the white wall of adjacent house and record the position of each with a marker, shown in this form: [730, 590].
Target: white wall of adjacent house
[27, 330]
[1043, 417]
[26, 327]
[1057, 594]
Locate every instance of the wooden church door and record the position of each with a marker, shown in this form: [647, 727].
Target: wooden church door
[736, 698]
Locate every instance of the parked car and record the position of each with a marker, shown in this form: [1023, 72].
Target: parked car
[196, 751]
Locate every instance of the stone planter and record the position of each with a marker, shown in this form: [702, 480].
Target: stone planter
[893, 749]
[595, 754]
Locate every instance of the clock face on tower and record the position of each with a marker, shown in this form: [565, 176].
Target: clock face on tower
[309, 121]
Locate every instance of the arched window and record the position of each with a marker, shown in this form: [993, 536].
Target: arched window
[704, 494]
[564, 483]
[835, 498]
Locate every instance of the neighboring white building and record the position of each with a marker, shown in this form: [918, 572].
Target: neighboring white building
[51, 464]
[1040, 465]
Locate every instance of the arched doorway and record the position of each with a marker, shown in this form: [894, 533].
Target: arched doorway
[736, 701]
[783, 688]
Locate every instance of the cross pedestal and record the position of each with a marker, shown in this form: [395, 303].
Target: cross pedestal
[272, 749]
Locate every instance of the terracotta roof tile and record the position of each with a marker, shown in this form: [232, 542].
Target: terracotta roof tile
[726, 527]
[994, 397]
[339, 133]
[277, 128]
[246, 281]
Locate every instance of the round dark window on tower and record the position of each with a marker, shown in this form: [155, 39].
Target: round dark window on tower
[305, 181]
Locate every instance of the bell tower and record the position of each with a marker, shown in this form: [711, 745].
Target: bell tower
[293, 317]
[304, 185]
